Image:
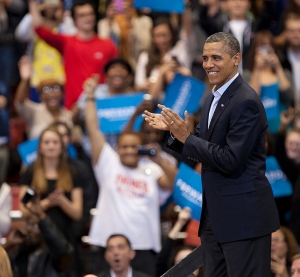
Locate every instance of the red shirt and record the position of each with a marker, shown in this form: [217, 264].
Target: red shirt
[82, 58]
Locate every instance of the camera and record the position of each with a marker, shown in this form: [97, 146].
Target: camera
[144, 151]
[28, 196]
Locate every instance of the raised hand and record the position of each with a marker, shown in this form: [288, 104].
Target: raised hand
[90, 84]
[25, 68]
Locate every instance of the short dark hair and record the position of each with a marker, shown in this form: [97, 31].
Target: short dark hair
[119, 235]
[121, 61]
[80, 3]
[231, 44]
[129, 133]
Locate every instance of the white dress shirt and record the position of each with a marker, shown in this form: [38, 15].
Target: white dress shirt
[217, 95]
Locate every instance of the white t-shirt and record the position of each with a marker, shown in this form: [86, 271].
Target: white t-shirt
[294, 59]
[238, 27]
[128, 202]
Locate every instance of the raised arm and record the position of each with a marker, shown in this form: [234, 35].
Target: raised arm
[96, 137]
[55, 40]
[25, 73]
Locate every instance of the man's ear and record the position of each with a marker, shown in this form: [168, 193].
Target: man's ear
[132, 254]
[237, 58]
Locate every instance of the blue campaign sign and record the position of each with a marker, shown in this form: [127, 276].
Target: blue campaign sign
[161, 6]
[114, 112]
[280, 185]
[28, 151]
[188, 190]
[270, 98]
[184, 93]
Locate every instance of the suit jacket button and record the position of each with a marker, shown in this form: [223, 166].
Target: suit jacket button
[203, 166]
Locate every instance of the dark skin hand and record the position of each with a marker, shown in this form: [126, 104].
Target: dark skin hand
[169, 120]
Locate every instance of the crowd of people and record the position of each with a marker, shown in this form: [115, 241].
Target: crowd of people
[57, 59]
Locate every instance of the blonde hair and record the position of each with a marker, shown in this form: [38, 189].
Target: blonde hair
[64, 180]
[296, 257]
[5, 267]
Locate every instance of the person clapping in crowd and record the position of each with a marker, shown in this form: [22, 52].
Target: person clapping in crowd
[39, 115]
[58, 182]
[128, 190]
[40, 248]
[283, 248]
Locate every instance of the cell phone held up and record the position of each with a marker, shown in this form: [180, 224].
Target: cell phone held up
[28, 196]
[144, 151]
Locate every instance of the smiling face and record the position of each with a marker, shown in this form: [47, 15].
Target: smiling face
[118, 254]
[52, 96]
[292, 146]
[162, 37]
[127, 149]
[219, 65]
[51, 146]
[119, 77]
[84, 17]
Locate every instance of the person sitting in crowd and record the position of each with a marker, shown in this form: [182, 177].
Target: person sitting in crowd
[129, 190]
[39, 115]
[84, 54]
[295, 269]
[119, 254]
[46, 60]
[130, 30]
[165, 46]
[5, 208]
[59, 183]
[284, 246]
[5, 266]
[39, 249]
[287, 153]
[265, 70]
[119, 80]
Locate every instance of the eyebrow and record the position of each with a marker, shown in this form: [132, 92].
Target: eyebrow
[214, 56]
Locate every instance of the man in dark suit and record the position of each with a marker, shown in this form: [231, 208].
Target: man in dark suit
[118, 254]
[239, 212]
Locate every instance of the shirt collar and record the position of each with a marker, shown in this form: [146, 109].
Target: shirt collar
[129, 273]
[222, 89]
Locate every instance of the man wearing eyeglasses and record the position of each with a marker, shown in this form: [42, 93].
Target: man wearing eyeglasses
[38, 116]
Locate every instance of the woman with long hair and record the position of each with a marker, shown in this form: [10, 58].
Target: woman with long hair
[58, 183]
[284, 246]
[165, 47]
[266, 71]
[5, 267]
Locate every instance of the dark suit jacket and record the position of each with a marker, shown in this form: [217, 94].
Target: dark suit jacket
[232, 151]
[134, 274]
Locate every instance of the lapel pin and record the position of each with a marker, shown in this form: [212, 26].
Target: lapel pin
[222, 105]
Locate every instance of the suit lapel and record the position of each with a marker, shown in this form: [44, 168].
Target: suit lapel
[222, 104]
[205, 112]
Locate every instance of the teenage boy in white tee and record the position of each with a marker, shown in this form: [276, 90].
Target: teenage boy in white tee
[128, 201]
